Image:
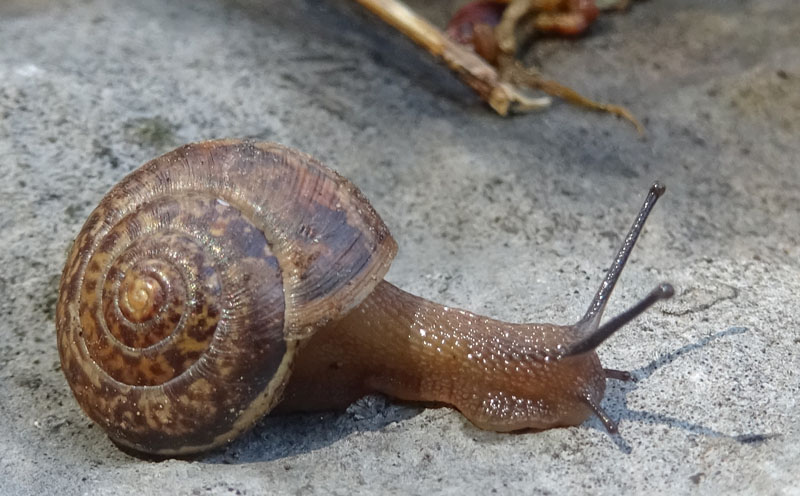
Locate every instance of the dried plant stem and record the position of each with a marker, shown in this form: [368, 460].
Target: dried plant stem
[471, 68]
[503, 88]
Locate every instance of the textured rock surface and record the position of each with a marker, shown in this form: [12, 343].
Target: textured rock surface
[516, 218]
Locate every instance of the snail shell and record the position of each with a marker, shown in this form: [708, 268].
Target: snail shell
[192, 285]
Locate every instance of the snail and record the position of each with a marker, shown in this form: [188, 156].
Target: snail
[227, 278]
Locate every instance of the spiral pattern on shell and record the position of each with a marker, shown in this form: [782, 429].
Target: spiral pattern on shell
[191, 285]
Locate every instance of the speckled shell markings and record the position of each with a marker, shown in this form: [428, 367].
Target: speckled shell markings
[191, 285]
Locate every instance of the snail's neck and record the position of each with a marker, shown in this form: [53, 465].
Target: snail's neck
[413, 349]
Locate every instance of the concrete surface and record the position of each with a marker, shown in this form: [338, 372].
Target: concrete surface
[516, 218]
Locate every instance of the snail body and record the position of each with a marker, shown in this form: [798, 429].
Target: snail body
[227, 278]
[499, 375]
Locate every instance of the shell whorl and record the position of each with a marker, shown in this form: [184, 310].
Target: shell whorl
[189, 288]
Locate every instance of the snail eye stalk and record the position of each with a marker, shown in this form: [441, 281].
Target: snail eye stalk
[589, 326]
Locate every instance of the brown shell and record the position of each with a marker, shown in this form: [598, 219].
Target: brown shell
[191, 285]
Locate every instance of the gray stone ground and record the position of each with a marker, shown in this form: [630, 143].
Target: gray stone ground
[516, 218]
